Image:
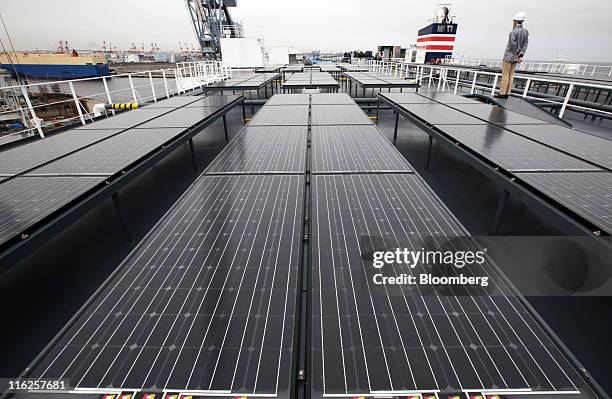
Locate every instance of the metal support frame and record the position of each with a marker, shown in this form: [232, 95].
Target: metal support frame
[194, 161]
[225, 128]
[429, 148]
[499, 213]
[128, 237]
[396, 123]
[13, 251]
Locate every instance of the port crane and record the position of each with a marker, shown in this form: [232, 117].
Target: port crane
[211, 21]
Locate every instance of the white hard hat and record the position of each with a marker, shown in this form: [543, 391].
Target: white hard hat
[520, 16]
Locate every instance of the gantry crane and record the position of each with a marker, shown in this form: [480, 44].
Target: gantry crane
[211, 21]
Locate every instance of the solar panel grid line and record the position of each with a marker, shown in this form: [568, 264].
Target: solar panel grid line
[117, 302]
[287, 179]
[510, 292]
[281, 116]
[274, 149]
[423, 207]
[127, 119]
[339, 115]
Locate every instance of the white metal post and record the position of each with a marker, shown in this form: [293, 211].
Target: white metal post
[76, 102]
[31, 108]
[108, 96]
[567, 98]
[430, 76]
[165, 83]
[527, 84]
[439, 79]
[152, 87]
[457, 81]
[494, 85]
[176, 80]
[132, 87]
[474, 83]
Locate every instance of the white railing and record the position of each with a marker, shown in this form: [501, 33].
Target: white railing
[448, 77]
[32, 102]
[569, 68]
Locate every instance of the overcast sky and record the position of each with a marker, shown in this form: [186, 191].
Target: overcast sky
[578, 30]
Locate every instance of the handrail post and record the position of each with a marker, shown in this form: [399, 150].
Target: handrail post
[31, 108]
[165, 83]
[76, 102]
[494, 84]
[567, 98]
[152, 87]
[108, 96]
[457, 80]
[474, 83]
[132, 87]
[527, 84]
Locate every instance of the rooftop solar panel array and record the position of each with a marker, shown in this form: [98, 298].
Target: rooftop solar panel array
[253, 81]
[78, 160]
[376, 80]
[310, 79]
[339, 115]
[206, 304]
[539, 153]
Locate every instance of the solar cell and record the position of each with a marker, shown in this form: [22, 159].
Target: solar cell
[25, 201]
[498, 115]
[206, 302]
[264, 149]
[439, 114]
[289, 99]
[126, 119]
[449, 98]
[173, 102]
[339, 115]
[513, 152]
[281, 115]
[589, 195]
[382, 340]
[354, 148]
[331, 99]
[19, 159]
[110, 156]
[406, 98]
[586, 146]
[214, 101]
[181, 118]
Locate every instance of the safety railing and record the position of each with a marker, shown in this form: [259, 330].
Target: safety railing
[36, 107]
[559, 94]
[569, 68]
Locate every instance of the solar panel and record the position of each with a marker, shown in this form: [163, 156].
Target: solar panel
[214, 101]
[181, 117]
[331, 99]
[126, 119]
[389, 340]
[439, 114]
[406, 98]
[339, 115]
[449, 98]
[589, 195]
[264, 149]
[27, 156]
[173, 102]
[281, 115]
[25, 201]
[586, 146]
[498, 115]
[513, 152]
[110, 156]
[289, 99]
[354, 148]
[206, 302]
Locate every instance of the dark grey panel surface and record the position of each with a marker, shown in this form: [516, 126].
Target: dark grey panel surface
[25, 201]
[338, 115]
[331, 99]
[281, 115]
[289, 99]
[406, 98]
[181, 117]
[214, 101]
[378, 339]
[110, 156]
[498, 115]
[329, 68]
[294, 68]
[586, 146]
[589, 195]
[264, 149]
[354, 148]
[449, 98]
[439, 114]
[126, 119]
[29, 155]
[172, 102]
[513, 152]
[206, 301]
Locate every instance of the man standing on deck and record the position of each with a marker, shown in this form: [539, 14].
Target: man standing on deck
[515, 50]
